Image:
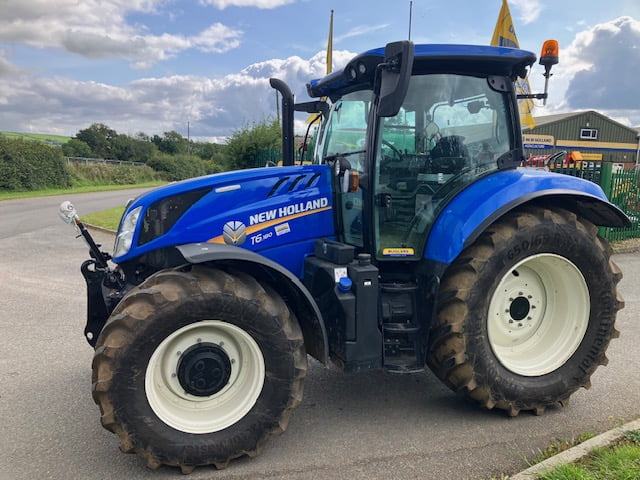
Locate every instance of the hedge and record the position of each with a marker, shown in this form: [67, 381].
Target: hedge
[28, 165]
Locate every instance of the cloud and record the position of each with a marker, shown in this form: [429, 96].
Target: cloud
[605, 63]
[7, 68]
[99, 29]
[265, 4]
[215, 107]
[360, 30]
[529, 10]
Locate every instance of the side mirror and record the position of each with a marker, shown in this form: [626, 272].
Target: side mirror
[347, 178]
[395, 74]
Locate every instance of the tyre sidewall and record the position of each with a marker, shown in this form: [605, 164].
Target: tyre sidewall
[170, 445]
[575, 244]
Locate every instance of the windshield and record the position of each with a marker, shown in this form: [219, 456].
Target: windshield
[450, 130]
[346, 130]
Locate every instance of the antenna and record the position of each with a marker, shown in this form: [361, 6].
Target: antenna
[410, 15]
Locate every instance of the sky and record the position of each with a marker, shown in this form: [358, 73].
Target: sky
[201, 67]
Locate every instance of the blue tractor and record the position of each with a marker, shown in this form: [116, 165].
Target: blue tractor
[411, 239]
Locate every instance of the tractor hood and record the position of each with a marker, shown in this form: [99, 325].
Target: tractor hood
[258, 209]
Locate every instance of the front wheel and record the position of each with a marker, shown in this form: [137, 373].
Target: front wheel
[198, 366]
[526, 313]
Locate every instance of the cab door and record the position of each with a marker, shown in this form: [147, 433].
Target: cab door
[450, 130]
[343, 144]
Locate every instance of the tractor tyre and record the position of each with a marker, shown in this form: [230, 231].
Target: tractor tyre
[198, 366]
[526, 313]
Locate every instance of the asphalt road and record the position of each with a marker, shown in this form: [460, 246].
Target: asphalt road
[366, 426]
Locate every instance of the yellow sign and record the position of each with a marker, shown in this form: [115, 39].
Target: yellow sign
[594, 157]
[571, 144]
[397, 252]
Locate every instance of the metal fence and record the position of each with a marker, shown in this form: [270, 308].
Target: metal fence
[621, 187]
[102, 161]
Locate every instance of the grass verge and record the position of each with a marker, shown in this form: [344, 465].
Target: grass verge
[65, 191]
[108, 219]
[620, 461]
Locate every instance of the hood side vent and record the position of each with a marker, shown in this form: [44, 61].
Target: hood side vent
[295, 182]
[277, 186]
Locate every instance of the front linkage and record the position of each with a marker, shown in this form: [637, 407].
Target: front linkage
[104, 285]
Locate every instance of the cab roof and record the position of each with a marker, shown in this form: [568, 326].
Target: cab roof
[480, 60]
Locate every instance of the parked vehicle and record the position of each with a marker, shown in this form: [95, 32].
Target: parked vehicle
[412, 240]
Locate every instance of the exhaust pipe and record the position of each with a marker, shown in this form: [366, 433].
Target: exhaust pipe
[287, 120]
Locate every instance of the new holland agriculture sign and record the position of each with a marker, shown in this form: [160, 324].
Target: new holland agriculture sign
[538, 141]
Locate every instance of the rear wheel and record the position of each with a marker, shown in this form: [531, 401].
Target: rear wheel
[198, 366]
[526, 313]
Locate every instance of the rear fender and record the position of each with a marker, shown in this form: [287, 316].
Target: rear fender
[282, 280]
[482, 203]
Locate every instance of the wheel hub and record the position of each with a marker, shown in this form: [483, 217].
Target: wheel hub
[519, 308]
[521, 313]
[204, 369]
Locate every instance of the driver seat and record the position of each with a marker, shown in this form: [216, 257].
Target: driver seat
[450, 154]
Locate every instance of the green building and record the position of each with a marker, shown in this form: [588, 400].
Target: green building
[595, 136]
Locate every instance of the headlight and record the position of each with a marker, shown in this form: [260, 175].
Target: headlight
[125, 234]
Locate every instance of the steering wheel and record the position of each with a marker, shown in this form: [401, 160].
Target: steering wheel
[396, 152]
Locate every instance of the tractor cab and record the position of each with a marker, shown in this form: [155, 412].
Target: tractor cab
[403, 144]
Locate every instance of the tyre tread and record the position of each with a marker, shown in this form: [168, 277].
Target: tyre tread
[132, 315]
[449, 335]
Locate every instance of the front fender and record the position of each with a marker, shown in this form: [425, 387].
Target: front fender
[282, 280]
[476, 207]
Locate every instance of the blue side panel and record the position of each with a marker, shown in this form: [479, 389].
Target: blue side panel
[495, 193]
[275, 211]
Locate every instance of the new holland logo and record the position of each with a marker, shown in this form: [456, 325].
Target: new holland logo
[234, 233]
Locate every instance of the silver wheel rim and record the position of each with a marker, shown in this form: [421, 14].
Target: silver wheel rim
[205, 414]
[538, 315]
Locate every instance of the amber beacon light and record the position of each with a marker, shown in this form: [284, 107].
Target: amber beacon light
[548, 58]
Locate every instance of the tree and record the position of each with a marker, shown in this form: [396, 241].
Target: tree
[245, 145]
[76, 148]
[130, 149]
[172, 143]
[100, 138]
